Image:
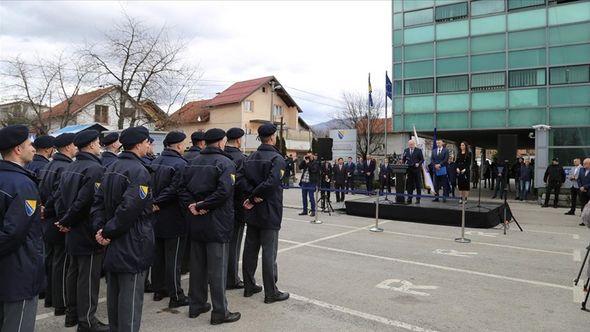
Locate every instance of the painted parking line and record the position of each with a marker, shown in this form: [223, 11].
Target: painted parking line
[440, 267]
[447, 239]
[577, 255]
[573, 235]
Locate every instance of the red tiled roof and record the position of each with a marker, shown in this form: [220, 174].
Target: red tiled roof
[239, 91]
[78, 102]
[155, 112]
[190, 112]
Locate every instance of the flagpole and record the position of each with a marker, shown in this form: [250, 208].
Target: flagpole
[386, 128]
[369, 119]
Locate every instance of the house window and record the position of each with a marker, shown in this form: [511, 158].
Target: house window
[247, 106]
[101, 114]
[263, 90]
[278, 111]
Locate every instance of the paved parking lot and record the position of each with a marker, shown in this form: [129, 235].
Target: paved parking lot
[411, 277]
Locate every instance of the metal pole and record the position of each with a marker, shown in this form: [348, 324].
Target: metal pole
[462, 239]
[317, 211]
[386, 127]
[376, 228]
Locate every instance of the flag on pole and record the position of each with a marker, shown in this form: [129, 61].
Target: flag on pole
[427, 179]
[388, 87]
[370, 92]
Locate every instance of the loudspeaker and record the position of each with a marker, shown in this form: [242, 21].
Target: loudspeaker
[324, 148]
[507, 145]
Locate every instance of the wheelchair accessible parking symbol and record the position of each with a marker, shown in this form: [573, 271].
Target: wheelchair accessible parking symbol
[404, 286]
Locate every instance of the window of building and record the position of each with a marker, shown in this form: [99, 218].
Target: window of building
[247, 105]
[452, 120]
[397, 71]
[526, 117]
[515, 4]
[397, 88]
[489, 43]
[569, 54]
[263, 89]
[419, 35]
[482, 7]
[418, 17]
[419, 51]
[419, 104]
[569, 74]
[485, 25]
[398, 54]
[488, 119]
[419, 121]
[452, 83]
[569, 116]
[570, 13]
[527, 19]
[452, 30]
[526, 39]
[411, 5]
[529, 77]
[398, 37]
[414, 87]
[452, 102]
[419, 69]
[398, 21]
[488, 81]
[527, 98]
[451, 47]
[488, 62]
[101, 114]
[451, 66]
[570, 95]
[488, 100]
[451, 12]
[278, 111]
[569, 34]
[528, 58]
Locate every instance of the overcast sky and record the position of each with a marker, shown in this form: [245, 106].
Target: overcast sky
[323, 48]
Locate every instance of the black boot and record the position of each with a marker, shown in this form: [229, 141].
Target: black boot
[251, 291]
[229, 318]
[279, 296]
[194, 312]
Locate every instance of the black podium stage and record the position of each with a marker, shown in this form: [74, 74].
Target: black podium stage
[488, 215]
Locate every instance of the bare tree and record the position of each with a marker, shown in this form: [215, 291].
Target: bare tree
[358, 115]
[140, 61]
[33, 83]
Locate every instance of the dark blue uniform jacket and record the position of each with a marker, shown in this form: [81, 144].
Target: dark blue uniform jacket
[37, 164]
[107, 158]
[238, 158]
[192, 153]
[48, 190]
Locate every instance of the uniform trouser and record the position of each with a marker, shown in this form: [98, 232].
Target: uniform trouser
[268, 239]
[186, 256]
[555, 187]
[235, 246]
[339, 194]
[414, 182]
[18, 316]
[441, 180]
[59, 267]
[48, 274]
[574, 197]
[209, 267]
[166, 267]
[369, 182]
[125, 300]
[83, 282]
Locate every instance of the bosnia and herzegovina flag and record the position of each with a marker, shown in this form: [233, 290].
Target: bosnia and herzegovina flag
[370, 92]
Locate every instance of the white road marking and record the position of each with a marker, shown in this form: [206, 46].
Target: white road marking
[448, 239]
[478, 233]
[367, 316]
[577, 255]
[406, 287]
[440, 267]
[451, 252]
[574, 236]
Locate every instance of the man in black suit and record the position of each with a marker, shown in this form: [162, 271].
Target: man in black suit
[350, 167]
[369, 172]
[326, 182]
[340, 176]
[440, 161]
[414, 158]
[584, 183]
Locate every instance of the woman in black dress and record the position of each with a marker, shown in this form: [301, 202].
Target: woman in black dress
[463, 164]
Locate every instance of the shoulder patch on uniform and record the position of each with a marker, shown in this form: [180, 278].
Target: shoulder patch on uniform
[143, 191]
[30, 206]
[233, 178]
[96, 185]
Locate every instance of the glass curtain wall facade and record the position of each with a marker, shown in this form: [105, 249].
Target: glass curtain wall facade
[494, 64]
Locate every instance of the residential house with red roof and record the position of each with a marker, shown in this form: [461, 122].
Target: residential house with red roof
[247, 105]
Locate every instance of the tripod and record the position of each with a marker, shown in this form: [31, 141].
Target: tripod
[507, 210]
[587, 280]
[325, 202]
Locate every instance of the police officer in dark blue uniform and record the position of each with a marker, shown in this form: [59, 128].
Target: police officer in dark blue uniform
[192, 153]
[111, 146]
[232, 148]
[22, 274]
[197, 138]
[206, 190]
[122, 214]
[56, 262]
[170, 227]
[263, 171]
[54, 239]
[77, 185]
[44, 150]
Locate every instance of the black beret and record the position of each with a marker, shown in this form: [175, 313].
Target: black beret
[556, 159]
[214, 135]
[134, 135]
[174, 137]
[235, 133]
[64, 140]
[197, 136]
[109, 139]
[266, 129]
[85, 137]
[11, 136]
[44, 142]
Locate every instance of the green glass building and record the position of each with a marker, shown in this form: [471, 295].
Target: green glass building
[476, 69]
